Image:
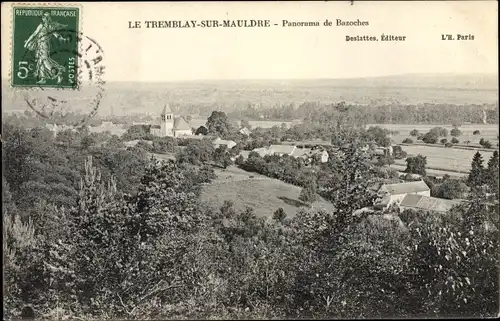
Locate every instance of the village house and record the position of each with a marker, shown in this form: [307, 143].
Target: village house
[245, 131]
[390, 194]
[228, 143]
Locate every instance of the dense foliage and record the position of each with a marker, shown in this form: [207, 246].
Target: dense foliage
[131, 239]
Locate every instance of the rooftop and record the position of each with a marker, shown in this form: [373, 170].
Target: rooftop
[166, 110]
[181, 124]
[405, 188]
[428, 203]
[281, 149]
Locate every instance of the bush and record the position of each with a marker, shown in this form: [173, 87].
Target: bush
[448, 144]
[476, 132]
[444, 141]
[439, 131]
[454, 140]
[430, 138]
[407, 141]
[420, 137]
[455, 132]
[485, 143]
[414, 132]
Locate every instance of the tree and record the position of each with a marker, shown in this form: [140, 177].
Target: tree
[164, 144]
[414, 132]
[455, 132]
[221, 156]
[485, 143]
[407, 141]
[308, 193]
[454, 140]
[279, 215]
[444, 141]
[430, 138]
[416, 165]
[218, 124]
[379, 135]
[439, 131]
[87, 141]
[141, 132]
[202, 130]
[492, 173]
[385, 160]
[476, 178]
[451, 189]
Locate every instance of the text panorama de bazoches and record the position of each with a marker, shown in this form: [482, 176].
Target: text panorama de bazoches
[251, 23]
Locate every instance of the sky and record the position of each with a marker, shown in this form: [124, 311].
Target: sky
[157, 55]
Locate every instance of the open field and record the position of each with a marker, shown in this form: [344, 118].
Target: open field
[401, 168]
[444, 158]
[488, 132]
[263, 194]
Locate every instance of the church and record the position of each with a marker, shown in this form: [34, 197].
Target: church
[170, 125]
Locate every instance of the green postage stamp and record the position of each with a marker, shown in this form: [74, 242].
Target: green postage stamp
[45, 46]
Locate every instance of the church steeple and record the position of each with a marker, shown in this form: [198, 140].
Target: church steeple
[167, 121]
[166, 110]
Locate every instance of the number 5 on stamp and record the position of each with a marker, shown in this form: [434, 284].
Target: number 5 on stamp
[45, 47]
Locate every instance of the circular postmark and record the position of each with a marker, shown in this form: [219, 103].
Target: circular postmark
[68, 68]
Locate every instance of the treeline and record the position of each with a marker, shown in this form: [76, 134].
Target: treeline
[385, 114]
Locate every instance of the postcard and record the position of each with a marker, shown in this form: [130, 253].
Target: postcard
[250, 160]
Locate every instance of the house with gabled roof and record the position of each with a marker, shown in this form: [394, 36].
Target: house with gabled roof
[281, 150]
[228, 143]
[390, 194]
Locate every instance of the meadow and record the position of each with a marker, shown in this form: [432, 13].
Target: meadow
[263, 194]
[445, 158]
[487, 131]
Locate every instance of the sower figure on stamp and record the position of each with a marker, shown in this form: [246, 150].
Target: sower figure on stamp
[39, 41]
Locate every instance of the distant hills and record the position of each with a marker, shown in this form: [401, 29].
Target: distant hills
[132, 97]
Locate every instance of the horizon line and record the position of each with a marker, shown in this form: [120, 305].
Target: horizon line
[303, 79]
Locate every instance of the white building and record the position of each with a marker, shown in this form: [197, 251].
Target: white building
[228, 143]
[170, 125]
[390, 194]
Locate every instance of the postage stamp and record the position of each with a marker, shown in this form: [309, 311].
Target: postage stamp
[44, 46]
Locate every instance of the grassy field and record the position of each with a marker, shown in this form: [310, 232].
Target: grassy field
[488, 132]
[445, 158]
[261, 193]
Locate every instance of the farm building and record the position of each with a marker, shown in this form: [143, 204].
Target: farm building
[426, 203]
[390, 194]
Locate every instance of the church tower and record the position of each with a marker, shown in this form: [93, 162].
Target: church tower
[167, 122]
